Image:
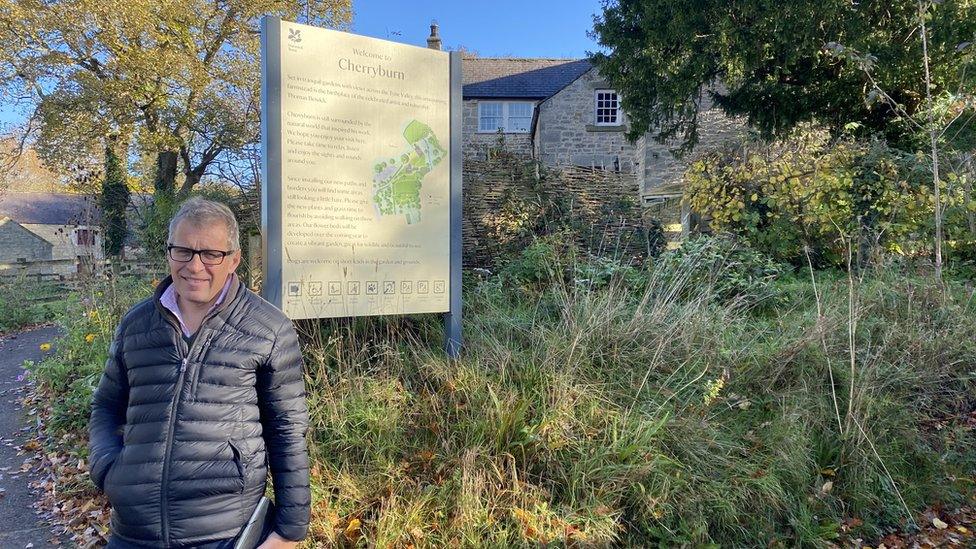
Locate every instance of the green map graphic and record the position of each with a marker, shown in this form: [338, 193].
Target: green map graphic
[397, 181]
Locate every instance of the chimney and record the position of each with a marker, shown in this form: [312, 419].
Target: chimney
[434, 40]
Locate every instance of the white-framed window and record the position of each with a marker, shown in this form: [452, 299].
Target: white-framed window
[507, 116]
[607, 108]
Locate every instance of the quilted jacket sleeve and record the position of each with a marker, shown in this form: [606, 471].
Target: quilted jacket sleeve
[284, 419]
[108, 414]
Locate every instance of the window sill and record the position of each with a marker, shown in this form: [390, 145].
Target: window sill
[502, 133]
[595, 128]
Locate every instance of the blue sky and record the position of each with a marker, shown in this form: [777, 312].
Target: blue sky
[502, 28]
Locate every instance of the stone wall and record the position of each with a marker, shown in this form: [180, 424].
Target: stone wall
[63, 239]
[661, 168]
[478, 146]
[46, 249]
[17, 242]
[505, 204]
[569, 135]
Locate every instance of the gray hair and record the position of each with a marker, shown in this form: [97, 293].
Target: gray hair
[202, 212]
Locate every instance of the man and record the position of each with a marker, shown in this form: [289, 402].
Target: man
[202, 391]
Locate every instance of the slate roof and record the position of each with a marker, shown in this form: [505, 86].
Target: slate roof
[49, 208]
[513, 78]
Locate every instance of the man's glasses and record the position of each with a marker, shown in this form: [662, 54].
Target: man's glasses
[208, 257]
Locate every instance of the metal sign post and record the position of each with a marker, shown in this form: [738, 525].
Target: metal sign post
[271, 159]
[452, 319]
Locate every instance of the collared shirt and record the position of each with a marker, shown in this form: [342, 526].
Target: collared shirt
[168, 300]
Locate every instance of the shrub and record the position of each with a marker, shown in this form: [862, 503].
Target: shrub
[69, 376]
[23, 302]
[723, 267]
[540, 263]
[599, 272]
[826, 195]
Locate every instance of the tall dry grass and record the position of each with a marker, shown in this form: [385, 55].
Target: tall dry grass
[663, 411]
[710, 398]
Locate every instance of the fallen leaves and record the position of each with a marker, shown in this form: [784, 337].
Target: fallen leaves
[937, 528]
[64, 494]
[352, 532]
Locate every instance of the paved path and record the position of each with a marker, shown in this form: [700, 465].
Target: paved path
[19, 526]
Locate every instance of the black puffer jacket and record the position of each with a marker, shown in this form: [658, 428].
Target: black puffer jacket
[181, 436]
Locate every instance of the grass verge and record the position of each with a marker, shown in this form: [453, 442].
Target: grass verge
[708, 399]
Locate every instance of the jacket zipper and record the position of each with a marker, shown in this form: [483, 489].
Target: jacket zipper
[174, 406]
[195, 378]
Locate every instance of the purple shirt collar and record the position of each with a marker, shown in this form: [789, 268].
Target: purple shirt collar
[168, 300]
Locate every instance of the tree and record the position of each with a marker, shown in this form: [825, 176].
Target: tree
[114, 202]
[937, 115]
[770, 63]
[182, 75]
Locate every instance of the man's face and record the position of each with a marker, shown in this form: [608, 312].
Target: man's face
[194, 281]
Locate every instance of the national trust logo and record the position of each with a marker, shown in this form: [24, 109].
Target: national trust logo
[295, 40]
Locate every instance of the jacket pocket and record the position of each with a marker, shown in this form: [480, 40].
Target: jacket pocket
[239, 462]
[108, 485]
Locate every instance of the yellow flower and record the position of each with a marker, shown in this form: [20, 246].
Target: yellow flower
[93, 314]
[89, 338]
[45, 347]
[154, 282]
[712, 389]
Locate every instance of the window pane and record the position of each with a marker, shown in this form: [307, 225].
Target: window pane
[607, 107]
[490, 123]
[489, 117]
[519, 124]
[519, 117]
[520, 109]
[491, 109]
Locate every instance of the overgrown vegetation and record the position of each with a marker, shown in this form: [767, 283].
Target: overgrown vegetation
[24, 301]
[599, 403]
[811, 198]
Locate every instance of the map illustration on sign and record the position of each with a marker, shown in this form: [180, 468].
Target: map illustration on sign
[397, 181]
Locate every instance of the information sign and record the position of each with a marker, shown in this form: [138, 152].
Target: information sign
[357, 199]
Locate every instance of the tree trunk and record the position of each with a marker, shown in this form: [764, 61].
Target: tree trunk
[933, 139]
[165, 172]
[191, 178]
[970, 213]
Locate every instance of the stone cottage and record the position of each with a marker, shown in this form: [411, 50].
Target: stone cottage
[562, 113]
[49, 233]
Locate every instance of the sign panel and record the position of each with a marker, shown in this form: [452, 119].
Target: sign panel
[357, 201]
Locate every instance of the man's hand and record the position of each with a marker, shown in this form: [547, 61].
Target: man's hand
[275, 541]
